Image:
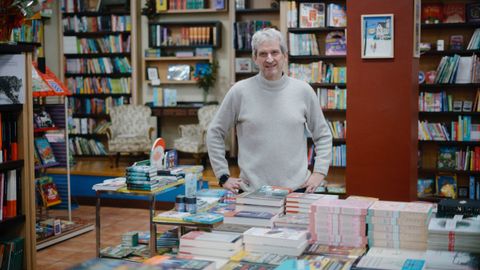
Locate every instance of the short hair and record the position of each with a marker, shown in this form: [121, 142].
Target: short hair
[268, 34]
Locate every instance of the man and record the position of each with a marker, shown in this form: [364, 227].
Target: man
[271, 113]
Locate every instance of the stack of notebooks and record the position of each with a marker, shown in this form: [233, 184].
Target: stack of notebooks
[142, 177]
[256, 208]
[200, 243]
[398, 224]
[454, 234]
[281, 241]
[297, 208]
[339, 222]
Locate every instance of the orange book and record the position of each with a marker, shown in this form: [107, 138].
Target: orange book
[11, 209]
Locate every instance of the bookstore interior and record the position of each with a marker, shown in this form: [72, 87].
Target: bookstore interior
[105, 107]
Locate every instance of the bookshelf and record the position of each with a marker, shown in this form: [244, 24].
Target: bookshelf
[446, 104]
[320, 66]
[100, 68]
[19, 223]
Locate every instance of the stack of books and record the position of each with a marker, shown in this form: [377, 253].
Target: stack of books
[398, 224]
[262, 258]
[281, 241]
[257, 208]
[142, 177]
[339, 222]
[454, 234]
[297, 208]
[200, 243]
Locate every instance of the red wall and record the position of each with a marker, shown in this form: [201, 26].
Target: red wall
[382, 108]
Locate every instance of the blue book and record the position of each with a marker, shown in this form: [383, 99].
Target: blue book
[204, 218]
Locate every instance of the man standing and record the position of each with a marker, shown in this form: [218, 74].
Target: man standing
[272, 114]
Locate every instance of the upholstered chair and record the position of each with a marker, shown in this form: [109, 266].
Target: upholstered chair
[193, 136]
[130, 131]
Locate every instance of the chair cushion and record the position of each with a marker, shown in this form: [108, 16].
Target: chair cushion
[189, 146]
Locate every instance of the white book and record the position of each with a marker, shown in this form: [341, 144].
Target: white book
[276, 236]
[281, 250]
[201, 251]
[464, 71]
[224, 241]
[70, 44]
[259, 208]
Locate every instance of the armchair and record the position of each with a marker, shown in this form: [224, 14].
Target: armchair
[193, 136]
[130, 131]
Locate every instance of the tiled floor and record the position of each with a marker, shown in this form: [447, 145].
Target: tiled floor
[114, 221]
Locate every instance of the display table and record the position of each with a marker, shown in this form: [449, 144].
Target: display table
[151, 197]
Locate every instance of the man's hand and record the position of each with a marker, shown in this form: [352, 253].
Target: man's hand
[234, 184]
[314, 181]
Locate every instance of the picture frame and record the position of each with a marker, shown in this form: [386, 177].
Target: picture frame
[377, 36]
[243, 65]
[152, 73]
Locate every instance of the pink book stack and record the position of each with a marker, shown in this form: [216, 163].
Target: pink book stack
[297, 206]
[339, 222]
[399, 224]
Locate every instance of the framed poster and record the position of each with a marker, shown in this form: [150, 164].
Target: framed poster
[417, 5]
[377, 36]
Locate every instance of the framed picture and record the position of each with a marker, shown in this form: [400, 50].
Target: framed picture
[243, 65]
[377, 36]
[152, 73]
[416, 27]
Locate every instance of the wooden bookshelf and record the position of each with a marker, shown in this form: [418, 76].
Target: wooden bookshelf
[431, 149]
[22, 224]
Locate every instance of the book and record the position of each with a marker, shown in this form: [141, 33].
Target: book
[204, 218]
[473, 12]
[454, 12]
[243, 65]
[312, 15]
[277, 236]
[425, 187]
[172, 262]
[48, 191]
[12, 78]
[432, 12]
[169, 97]
[260, 198]
[335, 43]
[44, 151]
[446, 186]
[446, 158]
[212, 240]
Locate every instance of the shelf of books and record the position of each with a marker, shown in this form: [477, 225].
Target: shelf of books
[449, 93]
[317, 55]
[99, 41]
[246, 22]
[163, 8]
[17, 214]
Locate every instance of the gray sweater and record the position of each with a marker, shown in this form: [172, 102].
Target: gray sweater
[271, 118]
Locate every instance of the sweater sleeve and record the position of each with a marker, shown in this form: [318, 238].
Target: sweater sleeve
[321, 135]
[218, 129]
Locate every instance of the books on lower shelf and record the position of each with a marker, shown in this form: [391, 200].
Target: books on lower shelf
[45, 151]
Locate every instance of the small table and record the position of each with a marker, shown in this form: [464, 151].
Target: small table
[124, 191]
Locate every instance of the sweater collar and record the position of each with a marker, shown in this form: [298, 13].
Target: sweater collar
[277, 85]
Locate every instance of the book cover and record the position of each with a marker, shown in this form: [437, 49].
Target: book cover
[45, 151]
[204, 218]
[335, 43]
[253, 214]
[446, 158]
[454, 12]
[446, 186]
[312, 15]
[12, 78]
[172, 262]
[473, 12]
[432, 12]
[48, 191]
[169, 97]
[425, 187]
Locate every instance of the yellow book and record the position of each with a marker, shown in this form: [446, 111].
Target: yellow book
[161, 5]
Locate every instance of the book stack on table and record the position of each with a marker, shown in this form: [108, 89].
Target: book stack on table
[399, 224]
[454, 234]
[283, 241]
[200, 243]
[339, 222]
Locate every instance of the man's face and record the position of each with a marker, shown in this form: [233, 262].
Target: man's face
[270, 60]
